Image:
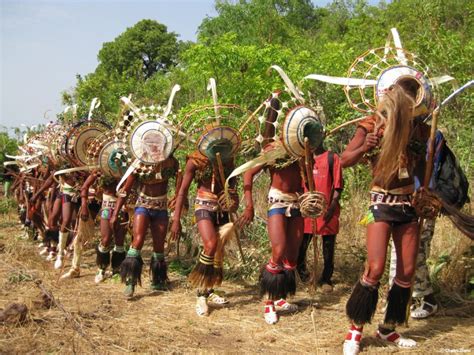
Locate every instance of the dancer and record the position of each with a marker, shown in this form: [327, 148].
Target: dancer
[397, 93]
[152, 143]
[282, 156]
[211, 212]
[210, 165]
[390, 213]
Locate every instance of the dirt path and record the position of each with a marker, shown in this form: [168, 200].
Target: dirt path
[98, 319]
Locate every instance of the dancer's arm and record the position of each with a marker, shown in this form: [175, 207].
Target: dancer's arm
[46, 185]
[248, 214]
[85, 195]
[181, 197]
[122, 198]
[361, 143]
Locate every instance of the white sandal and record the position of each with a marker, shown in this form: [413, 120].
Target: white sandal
[350, 347]
[202, 309]
[217, 299]
[99, 276]
[422, 313]
[270, 314]
[352, 343]
[71, 274]
[284, 306]
[397, 339]
[58, 264]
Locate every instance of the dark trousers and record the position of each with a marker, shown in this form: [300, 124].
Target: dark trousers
[329, 243]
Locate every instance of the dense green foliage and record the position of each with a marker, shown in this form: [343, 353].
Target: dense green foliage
[238, 46]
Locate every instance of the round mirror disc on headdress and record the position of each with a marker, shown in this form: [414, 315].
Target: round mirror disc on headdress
[221, 139]
[413, 81]
[151, 142]
[301, 122]
[80, 141]
[112, 159]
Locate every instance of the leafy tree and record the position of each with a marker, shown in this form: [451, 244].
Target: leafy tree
[140, 52]
[125, 64]
[260, 22]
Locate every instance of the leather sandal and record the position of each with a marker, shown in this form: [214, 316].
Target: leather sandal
[99, 276]
[71, 274]
[425, 310]
[270, 314]
[395, 338]
[283, 306]
[352, 343]
[217, 299]
[202, 309]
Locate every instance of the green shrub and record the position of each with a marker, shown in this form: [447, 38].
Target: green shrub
[7, 205]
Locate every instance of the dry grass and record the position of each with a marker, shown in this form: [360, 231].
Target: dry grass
[98, 319]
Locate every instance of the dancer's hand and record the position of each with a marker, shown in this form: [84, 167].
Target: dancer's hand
[246, 217]
[113, 221]
[84, 212]
[175, 229]
[371, 141]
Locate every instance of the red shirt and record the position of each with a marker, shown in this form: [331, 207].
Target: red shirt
[323, 183]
